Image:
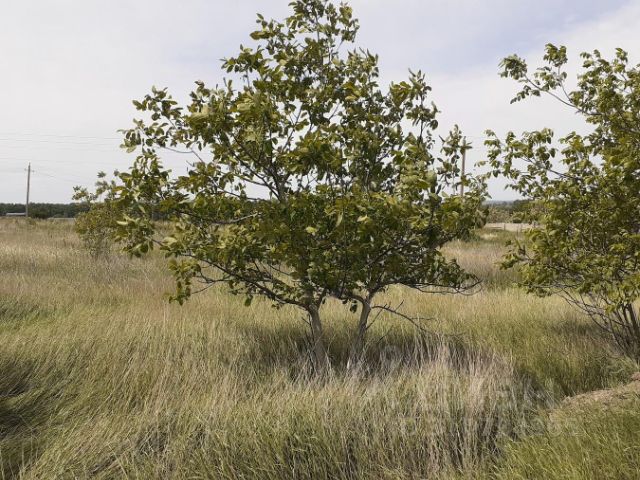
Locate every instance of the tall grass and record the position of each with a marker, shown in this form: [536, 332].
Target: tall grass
[101, 378]
[595, 443]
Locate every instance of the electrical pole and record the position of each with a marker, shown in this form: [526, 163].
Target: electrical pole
[26, 207]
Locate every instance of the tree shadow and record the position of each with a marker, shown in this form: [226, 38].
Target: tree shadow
[287, 347]
[572, 329]
[574, 356]
[22, 409]
[18, 312]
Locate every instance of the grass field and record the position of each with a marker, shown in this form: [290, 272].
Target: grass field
[101, 378]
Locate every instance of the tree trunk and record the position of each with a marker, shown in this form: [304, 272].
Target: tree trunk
[357, 344]
[319, 351]
[624, 326]
[634, 331]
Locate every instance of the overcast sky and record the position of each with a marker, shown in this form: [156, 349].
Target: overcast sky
[69, 69]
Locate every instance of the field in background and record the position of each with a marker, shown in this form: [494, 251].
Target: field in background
[508, 227]
[101, 378]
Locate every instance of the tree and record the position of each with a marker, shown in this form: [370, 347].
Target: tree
[309, 181]
[587, 248]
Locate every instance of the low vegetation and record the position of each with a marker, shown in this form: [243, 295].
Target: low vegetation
[44, 210]
[591, 443]
[102, 378]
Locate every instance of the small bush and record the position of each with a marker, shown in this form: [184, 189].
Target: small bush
[96, 227]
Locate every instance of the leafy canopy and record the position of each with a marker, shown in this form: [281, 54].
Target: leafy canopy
[309, 179]
[588, 187]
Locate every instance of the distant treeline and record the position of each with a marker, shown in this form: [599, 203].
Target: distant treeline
[44, 210]
[496, 211]
[516, 211]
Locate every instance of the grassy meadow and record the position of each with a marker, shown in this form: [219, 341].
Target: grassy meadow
[100, 377]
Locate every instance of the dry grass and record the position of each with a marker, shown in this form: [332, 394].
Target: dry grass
[101, 378]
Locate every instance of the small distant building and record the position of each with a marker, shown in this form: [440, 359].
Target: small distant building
[21, 214]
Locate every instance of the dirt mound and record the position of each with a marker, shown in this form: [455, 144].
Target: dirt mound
[610, 397]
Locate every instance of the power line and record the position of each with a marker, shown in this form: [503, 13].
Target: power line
[99, 137]
[79, 162]
[30, 140]
[20, 148]
[95, 137]
[71, 178]
[60, 179]
[52, 162]
[38, 171]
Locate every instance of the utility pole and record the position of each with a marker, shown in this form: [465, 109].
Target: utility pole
[26, 207]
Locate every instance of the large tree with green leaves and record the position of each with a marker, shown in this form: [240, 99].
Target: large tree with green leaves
[309, 181]
[587, 248]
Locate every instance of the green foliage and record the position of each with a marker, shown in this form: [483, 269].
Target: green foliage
[517, 211]
[97, 225]
[311, 181]
[588, 188]
[95, 228]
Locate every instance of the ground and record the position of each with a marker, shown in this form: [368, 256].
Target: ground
[100, 377]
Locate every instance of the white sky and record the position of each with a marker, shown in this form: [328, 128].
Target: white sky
[69, 69]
